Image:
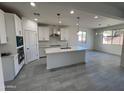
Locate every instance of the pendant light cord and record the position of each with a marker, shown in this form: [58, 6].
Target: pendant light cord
[78, 23]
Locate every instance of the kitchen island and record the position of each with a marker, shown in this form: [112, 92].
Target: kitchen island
[60, 57]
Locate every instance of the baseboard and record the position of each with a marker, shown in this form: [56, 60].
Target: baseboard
[43, 57]
[106, 52]
[90, 49]
[121, 65]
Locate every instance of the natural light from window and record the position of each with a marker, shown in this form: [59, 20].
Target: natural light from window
[81, 36]
[113, 37]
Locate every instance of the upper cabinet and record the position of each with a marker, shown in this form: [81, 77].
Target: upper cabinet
[43, 33]
[3, 38]
[64, 34]
[18, 26]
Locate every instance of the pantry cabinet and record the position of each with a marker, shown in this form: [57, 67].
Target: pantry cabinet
[3, 38]
[11, 67]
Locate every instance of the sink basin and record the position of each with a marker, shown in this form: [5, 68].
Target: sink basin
[65, 47]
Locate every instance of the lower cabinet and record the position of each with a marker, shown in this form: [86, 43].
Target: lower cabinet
[42, 52]
[16, 64]
[2, 86]
[43, 33]
[11, 67]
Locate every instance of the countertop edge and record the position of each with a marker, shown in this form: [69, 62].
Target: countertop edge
[66, 51]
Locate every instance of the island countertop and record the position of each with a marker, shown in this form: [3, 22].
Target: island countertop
[59, 50]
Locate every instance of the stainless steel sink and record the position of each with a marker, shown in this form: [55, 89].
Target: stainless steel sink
[65, 47]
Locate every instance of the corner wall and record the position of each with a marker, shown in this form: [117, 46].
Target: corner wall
[113, 49]
[73, 38]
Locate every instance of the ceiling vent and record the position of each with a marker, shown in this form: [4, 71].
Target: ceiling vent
[36, 14]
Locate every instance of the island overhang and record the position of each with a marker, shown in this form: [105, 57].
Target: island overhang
[57, 57]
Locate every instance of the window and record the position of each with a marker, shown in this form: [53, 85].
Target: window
[113, 37]
[117, 37]
[81, 36]
[107, 37]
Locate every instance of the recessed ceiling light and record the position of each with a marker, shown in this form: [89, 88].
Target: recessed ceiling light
[35, 19]
[32, 4]
[96, 33]
[72, 12]
[58, 32]
[77, 24]
[96, 17]
[60, 22]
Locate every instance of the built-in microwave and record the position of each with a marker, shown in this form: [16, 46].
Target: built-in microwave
[19, 40]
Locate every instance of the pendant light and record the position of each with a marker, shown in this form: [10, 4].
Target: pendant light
[78, 26]
[59, 22]
[58, 15]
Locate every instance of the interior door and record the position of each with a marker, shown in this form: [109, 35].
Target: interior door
[31, 49]
[33, 45]
[27, 46]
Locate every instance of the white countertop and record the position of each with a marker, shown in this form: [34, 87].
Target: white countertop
[59, 50]
[11, 55]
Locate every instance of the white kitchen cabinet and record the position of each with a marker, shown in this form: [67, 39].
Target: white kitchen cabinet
[8, 68]
[16, 64]
[2, 87]
[13, 29]
[43, 33]
[11, 67]
[42, 52]
[18, 26]
[64, 34]
[3, 38]
[57, 57]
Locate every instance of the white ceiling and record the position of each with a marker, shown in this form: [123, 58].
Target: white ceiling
[119, 5]
[48, 15]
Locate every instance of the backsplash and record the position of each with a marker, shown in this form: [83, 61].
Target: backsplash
[52, 42]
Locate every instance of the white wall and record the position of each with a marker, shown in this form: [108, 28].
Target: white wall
[113, 49]
[28, 24]
[10, 46]
[73, 38]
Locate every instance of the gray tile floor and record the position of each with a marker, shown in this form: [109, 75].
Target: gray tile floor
[101, 72]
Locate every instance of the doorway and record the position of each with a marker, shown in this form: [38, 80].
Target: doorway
[31, 46]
